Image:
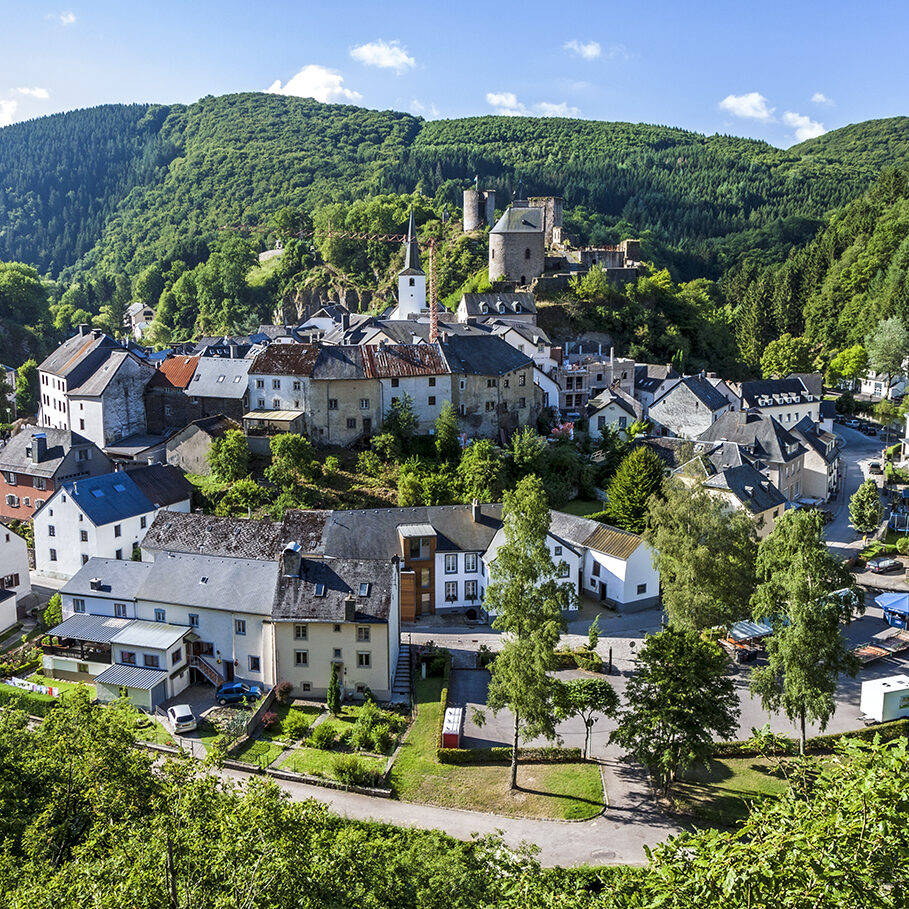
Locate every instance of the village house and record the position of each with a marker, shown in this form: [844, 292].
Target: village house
[105, 516]
[687, 408]
[15, 582]
[651, 380]
[35, 462]
[529, 339]
[189, 448]
[137, 318]
[821, 464]
[167, 406]
[787, 400]
[516, 308]
[220, 387]
[612, 408]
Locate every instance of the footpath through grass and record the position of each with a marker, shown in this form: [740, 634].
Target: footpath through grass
[722, 791]
[563, 791]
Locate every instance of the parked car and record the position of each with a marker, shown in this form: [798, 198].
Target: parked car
[826, 516]
[853, 424]
[181, 718]
[236, 692]
[869, 430]
[875, 467]
[883, 564]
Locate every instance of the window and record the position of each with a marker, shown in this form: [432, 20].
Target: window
[143, 522]
[255, 664]
[623, 422]
[320, 590]
[470, 561]
[395, 401]
[432, 401]
[83, 536]
[363, 633]
[239, 626]
[556, 550]
[275, 383]
[416, 547]
[151, 661]
[26, 501]
[128, 657]
[261, 403]
[260, 383]
[432, 381]
[336, 629]
[301, 632]
[424, 577]
[78, 605]
[40, 502]
[505, 383]
[412, 282]
[10, 477]
[306, 686]
[526, 253]
[522, 403]
[120, 610]
[451, 563]
[364, 403]
[51, 530]
[40, 483]
[462, 384]
[363, 660]
[160, 615]
[337, 653]
[53, 555]
[9, 581]
[364, 589]
[221, 379]
[301, 658]
[297, 385]
[642, 588]
[193, 620]
[175, 657]
[490, 405]
[84, 559]
[596, 569]
[470, 590]
[351, 422]
[451, 591]
[563, 569]
[276, 403]
[492, 383]
[395, 383]
[13, 501]
[462, 410]
[332, 403]
[522, 379]
[118, 530]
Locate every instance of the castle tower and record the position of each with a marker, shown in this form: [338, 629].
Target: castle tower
[551, 206]
[479, 208]
[412, 278]
[517, 244]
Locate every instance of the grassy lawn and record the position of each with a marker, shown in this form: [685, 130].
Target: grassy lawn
[275, 732]
[39, 679]
[316, 762]
[721, 791]
[340, 724]
[206, 732]
[583, 507]
[258, 752]
[547, 790]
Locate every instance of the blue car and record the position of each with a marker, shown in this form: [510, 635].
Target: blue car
[236, 692]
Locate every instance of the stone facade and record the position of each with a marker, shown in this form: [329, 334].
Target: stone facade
[495, 406]
[517, 245]
[479, 208]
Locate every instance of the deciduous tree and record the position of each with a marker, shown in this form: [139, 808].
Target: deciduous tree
[888, 347]
[787, 355]
[229, 457]
[27, 388]
[448, 446]
[865, 509]
[586, 698]
[481, 472]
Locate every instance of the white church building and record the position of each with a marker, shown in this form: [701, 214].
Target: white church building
[411, 280]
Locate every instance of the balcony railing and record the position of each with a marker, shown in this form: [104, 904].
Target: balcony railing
[85, 654]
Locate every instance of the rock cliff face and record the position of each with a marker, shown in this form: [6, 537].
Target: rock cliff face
[299, 304]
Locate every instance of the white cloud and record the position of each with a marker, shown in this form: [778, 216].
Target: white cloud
[42, 93]
[7, 111]
[805, 127]
[618, 52]
[548, 109]
[752, 106]
[589, 51]
[384, 54]
[821, 98]
[314, 81]
[67, 18]
[506, 104]
[430, 111]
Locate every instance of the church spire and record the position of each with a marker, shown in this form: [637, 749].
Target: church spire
[412, 253]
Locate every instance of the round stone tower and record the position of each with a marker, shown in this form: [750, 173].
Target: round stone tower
[479, 208]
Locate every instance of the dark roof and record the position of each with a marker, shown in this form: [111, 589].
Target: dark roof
[123, 676]
[119, 578]
[174, 373]
[220, 377]
[342, 362]
[827, 410]
[212, 347]
[107, 498]
[498, 304]
[296, 600]
[818, 440]
[526, 330]
[214, 426]
[772, 391]
[701, 389]
[286, 360]
[79, 356]
[14, 456]
[373, 533]
[306, 528]
[482, 355]
[393, 360]
[162, 484]
[749, 486]
[593, 534]
[193, 533]
[649, 376]
[761, 435]
[520, 219]
[619, 398]
[813, 381]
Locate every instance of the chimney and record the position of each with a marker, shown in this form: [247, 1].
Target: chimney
[345, 321]
[234, 351]
[350, 608]
[475, 511]
[83, 329]
[291, 560]
[95, 583]
[38, 449]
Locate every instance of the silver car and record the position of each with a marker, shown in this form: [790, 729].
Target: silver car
[181, 719]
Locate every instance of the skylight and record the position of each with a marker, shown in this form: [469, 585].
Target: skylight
[220, 378]
[237, 378]
[320, 590]
[98, 494]
[203, 580]
[119, 487]
[364, 590]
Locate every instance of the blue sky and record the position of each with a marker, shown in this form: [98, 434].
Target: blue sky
[775, 71]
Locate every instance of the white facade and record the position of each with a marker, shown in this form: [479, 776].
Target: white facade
[271, 392]
[13, 568]
[632, 582]
[548, 386]
[411, 295]
[540, 353]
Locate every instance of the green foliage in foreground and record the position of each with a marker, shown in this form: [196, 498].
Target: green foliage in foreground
[85, 822]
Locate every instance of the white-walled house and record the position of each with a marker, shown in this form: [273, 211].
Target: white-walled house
[105, 516]
[14, 576]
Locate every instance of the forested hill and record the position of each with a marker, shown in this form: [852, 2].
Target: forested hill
[118, 186]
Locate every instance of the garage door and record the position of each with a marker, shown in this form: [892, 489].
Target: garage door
[158, 694]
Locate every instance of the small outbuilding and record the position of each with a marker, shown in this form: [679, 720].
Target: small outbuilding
[885, 699]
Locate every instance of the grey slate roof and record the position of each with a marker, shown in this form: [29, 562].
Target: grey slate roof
[218, 377]
[701, 389]
[816, 439]
[373, 534]
[119, 578]
[93, 385]
[499, 304]
[242, 585]
[584, 532]
[649, 376]
[162, 484]
[339, 363]
[619, 398]
[775, 391]
[131, 677]
[762, 436]
[813, 382]
[520, 219]
[482, 356]
[296, 600]
[526, 330]
[78, 356]
[412, 250]
[99, 629]
[749, 486]
[13, 456]
[199, 533]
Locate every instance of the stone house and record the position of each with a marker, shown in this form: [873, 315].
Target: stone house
[279, 377]
[167, 406]
[821, 465]
[531, 340]
[220, 387]
[345, 401]
[787, 400]
[613, 408]
[688, 408]
[35, 462]
[651, 380]
[189, 447]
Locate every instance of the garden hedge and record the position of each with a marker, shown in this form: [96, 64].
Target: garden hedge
[30, 701]
[502, 755]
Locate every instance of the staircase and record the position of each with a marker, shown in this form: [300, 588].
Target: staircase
[209, 671]
[400, 688]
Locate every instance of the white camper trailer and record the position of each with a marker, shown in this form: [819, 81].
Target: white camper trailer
[885, 699]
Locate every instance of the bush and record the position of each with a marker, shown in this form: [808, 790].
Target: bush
[351, 771]
[269, 718]
[588, 660]
[369, 464]
[332, 465]
[31, 702]
[902, 546]
[295, 725]
[381, 738]
[502, 755]
[283, 690]
[322, 737]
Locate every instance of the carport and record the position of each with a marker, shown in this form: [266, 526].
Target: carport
[145, 688]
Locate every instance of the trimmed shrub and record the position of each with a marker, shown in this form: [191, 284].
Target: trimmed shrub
[31, 702]
[322, 737]
[295, 725]
[351, 771]
[589, 660]
[502, 755]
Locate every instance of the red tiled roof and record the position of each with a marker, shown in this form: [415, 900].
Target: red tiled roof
[174, 372]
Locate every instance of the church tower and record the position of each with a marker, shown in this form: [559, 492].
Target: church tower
[412, 278]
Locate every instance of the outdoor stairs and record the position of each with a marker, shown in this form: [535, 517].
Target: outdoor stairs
[209, 671]
[400, 688]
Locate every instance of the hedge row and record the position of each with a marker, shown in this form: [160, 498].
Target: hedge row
[818, 743]
[582, 658]
[502, 755]
[33, 703]
[443, 699]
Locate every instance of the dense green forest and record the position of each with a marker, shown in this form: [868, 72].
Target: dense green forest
[118, 186]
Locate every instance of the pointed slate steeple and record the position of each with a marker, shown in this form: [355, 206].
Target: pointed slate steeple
[412, 253]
